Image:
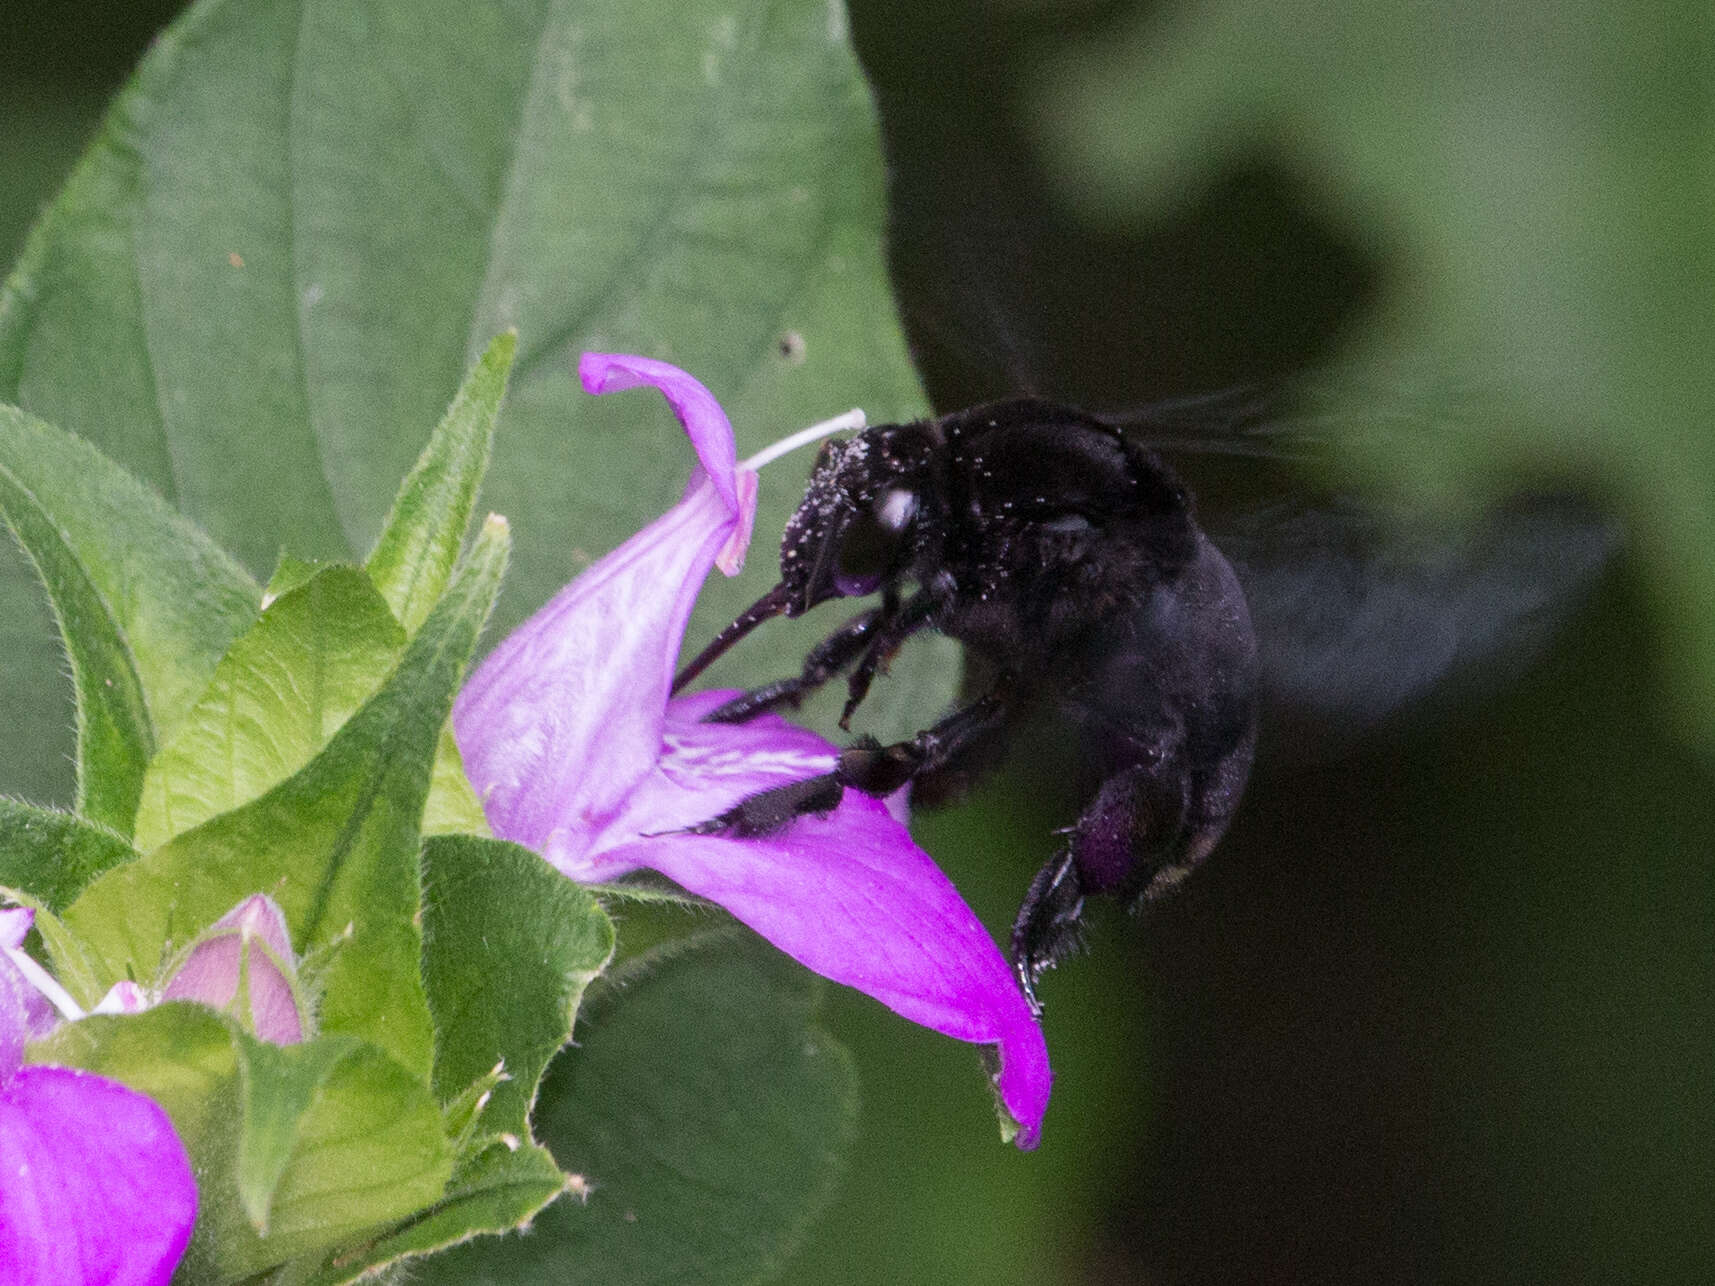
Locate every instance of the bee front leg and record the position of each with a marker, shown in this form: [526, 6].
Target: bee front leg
[825, 660]
[880, 770]
[889, 636]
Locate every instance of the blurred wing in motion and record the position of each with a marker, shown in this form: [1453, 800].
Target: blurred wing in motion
[1362, 610]
[1360, 613]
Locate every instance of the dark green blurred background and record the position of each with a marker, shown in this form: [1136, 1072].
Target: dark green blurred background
[1439, 1011]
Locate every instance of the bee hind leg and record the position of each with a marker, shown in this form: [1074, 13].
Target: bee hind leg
[1131, 836]
[1047, 929]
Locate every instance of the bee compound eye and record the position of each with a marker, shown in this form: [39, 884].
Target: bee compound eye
[867, 551]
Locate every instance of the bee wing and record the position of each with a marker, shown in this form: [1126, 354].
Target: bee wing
[1360, 613]
[1362, 610]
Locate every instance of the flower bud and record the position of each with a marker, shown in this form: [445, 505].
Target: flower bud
[244, 965]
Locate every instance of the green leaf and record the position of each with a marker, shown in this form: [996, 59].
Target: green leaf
[51, 855]
[177, 598]
[302, 223]
[702, 1119]
[509, 945]
[311, 660]
[498, 1189]
[277, 1084]
[114, 740]
[144, 602]
[419, 543]
[336, 844]
[338, 1139]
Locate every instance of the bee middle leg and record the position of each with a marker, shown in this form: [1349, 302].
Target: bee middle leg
[865, 765]
[870, 639]
[824, 661]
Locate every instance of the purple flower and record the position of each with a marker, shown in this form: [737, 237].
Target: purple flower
[569, 736]
[94, 1184]
[247, 953]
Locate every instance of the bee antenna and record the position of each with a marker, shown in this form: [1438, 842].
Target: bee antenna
[770, 605]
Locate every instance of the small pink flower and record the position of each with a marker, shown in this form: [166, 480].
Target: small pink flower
[247, 952]
[569, 736]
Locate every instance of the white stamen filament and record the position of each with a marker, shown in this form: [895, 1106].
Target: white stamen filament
[852, 419]
[43, 981]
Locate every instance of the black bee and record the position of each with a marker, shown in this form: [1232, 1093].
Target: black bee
[1068, 557]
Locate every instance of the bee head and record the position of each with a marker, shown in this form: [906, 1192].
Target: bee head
[852, 533]
[853, 530]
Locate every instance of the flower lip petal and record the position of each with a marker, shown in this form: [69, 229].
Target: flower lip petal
[853, 898]
[114, 1205]
[705, 422]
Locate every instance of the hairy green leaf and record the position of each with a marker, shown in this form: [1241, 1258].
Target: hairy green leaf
[338, 1139]
[145, 602]
[316, 654]
[419, 544]
[701, 1117]
[51, 855]
[336, 844]
[508, 946]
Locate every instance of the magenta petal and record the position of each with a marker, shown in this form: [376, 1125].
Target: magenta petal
[565, 716]
[25, 1014]
[709, 429]
[15, 922]
[94, 1184]
[852, 898]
